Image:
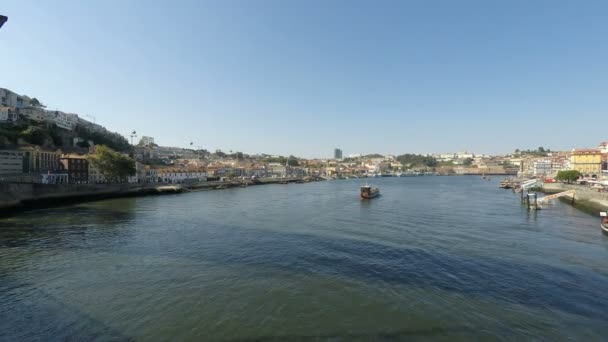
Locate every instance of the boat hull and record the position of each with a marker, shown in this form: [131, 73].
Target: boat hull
[367, 192]
[604, 226]
[370, 196]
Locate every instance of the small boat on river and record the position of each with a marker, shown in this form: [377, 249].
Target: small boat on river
[604, 223]
[367, 192]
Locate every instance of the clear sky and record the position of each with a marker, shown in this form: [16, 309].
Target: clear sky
[303, 77]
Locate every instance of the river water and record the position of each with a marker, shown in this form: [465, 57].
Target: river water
[452, 258]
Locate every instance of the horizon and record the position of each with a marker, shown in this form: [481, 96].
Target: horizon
[305, 78]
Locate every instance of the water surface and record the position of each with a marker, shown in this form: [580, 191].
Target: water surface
[452, 258]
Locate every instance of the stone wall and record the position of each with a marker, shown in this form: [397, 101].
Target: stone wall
[17, 194]
[584, 195]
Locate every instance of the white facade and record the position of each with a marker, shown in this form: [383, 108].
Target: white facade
[464, 155]
[542, 167]
[180, 176]
[7, 114]
[146, 141]
[54, 178]
[95, 177]
[11, 99]
[63, 120]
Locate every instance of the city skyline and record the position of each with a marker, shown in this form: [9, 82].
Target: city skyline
[300, 78]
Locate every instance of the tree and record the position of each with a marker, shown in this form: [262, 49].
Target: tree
[33, 135]
[541, 149]
[34, 102]
[568, 176]
[293, 161]
[517, 151]
[416, 159]
[114, 166]
[467, 162]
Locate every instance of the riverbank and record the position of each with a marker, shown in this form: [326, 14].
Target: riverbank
[22, 196]
[585, 198]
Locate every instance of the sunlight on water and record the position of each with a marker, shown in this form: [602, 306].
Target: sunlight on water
[450, 257]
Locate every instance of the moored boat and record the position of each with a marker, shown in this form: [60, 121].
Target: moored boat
[604, 223]
[368, 192]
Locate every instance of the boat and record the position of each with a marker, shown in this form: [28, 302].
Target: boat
[368, 192]
[604, 223]
[506, 184]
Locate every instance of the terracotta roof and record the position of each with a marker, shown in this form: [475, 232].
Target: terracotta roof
[586, 151]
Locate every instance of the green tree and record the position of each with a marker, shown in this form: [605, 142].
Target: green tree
[467, 162]
[114, 166]
[568, 176]
[541, 149]
[83, 144]
[34, 135]
[34, 102]
[293, 161]
[417, 160]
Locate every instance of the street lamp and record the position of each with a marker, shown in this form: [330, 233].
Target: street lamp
[3, 19]
[198, 150]
[133, 135]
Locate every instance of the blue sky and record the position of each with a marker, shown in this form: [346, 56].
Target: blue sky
[303, 77]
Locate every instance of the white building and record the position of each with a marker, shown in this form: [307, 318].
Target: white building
[447, 157]
[95, 177]
[11, 162]
[146, 141]
[63, 120]
[53, 178]
[11, 99]
[180, 176]
[7, 114]
[464, 155]
[542, 167]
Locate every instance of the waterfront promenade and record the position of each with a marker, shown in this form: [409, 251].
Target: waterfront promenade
[585, 197]
[23, 195]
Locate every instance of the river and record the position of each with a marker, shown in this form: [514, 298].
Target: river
[452, 258]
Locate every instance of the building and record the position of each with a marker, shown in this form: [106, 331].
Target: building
[38, 160]
[465, 155]
[337, 153]
[586, 161]
[181, 176]
[542, 167]
[8, 114]
[77, 168]
[95, 177]
[11, 99]
[146, 141]
[63, 120]
[35, 113]
[11, 162]
[54, 178]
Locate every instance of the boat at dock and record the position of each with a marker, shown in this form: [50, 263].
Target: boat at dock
[604, 223]
[368, 192]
